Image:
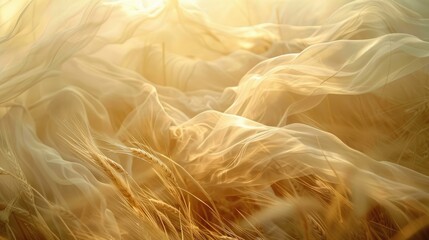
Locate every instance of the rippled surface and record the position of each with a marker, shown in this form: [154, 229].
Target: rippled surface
[212, 119]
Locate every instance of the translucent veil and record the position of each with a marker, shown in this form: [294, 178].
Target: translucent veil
[246, 119]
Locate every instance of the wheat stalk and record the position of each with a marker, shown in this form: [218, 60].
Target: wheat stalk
[118, 182]
[154, 161]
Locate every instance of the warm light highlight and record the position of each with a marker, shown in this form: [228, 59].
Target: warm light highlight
[214, 119]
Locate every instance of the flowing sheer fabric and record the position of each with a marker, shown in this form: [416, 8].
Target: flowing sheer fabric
[202, 119]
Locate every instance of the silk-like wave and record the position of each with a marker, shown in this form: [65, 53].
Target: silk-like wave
[202, 119]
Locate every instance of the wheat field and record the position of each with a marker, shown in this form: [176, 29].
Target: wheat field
[214, 119]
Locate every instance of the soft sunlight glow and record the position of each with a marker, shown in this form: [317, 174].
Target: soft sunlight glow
[145, 5]
[140, 5]
[214, 119]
